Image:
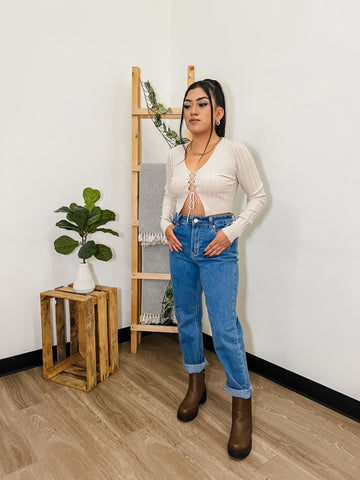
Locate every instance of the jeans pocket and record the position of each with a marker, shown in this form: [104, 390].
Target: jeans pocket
[176, 219]
[220, 225]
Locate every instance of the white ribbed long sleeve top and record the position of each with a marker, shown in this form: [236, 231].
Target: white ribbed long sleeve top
[216, 182]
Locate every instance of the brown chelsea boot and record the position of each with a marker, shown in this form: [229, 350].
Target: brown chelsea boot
[195, 396]
[240, 443]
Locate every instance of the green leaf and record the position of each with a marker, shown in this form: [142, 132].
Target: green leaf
[63, 209]
[65, 244]
[151, 94]
[80, 217]
[157, 120]
[94, 216]
[91, 196]
[68, 226]
[107, 230]
[87, 250]
[105, 216]
[171, 134]
[74, 206]
[103, 252]
[79, 208]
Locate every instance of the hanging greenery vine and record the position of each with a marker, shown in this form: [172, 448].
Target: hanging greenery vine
[167, 309]
[157, 109]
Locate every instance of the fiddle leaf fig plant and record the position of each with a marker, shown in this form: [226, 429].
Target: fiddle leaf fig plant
[85, 220]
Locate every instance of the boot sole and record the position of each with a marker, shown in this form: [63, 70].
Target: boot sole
[191, 416]
[239, 454]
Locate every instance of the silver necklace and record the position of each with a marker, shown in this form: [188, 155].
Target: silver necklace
[204, 153]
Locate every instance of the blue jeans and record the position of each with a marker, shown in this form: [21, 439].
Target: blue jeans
[218, 278]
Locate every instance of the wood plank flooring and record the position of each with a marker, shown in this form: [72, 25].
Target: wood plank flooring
[126, 428]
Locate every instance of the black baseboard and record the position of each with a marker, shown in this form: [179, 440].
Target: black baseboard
[326, 396]
[20, 362]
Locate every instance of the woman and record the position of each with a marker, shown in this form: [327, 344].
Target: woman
[201, 182]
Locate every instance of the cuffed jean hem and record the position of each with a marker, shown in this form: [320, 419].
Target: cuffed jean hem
[239, 393]
[199, 367]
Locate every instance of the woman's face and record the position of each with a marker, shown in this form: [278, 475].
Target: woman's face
[197, 111]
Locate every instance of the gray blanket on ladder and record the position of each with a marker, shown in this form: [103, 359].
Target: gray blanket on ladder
[155, 252]
[151, 191]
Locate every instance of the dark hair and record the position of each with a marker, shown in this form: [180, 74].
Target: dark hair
[213, 90]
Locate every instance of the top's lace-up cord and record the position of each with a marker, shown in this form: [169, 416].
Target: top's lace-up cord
[192, 189]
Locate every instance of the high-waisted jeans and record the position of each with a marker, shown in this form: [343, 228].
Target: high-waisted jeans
[218, 278]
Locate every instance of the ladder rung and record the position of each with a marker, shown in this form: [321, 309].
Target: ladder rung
[154, 328]
[150, 276]
[144, 113]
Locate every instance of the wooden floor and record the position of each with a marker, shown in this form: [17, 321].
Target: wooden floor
[126, 428]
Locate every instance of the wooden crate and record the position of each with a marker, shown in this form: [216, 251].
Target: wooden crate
[94, 353]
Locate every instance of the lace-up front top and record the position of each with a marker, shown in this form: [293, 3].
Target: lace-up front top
[215, 183]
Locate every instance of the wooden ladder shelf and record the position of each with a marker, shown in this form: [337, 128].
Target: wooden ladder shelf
[137, 275]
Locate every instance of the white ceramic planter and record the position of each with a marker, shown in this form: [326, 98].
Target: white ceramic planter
[84, 282]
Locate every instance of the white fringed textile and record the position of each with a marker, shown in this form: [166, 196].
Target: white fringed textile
[154, 319]
[150, 319]
[147, 239]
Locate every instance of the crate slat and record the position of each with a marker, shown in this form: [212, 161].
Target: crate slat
[70, 381]
[61, 366]
[60, 329]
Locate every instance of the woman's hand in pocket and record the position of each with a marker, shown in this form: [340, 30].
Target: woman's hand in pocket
[173, 242]
[218, 245]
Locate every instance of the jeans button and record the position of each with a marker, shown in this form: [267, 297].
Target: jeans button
[196, 220]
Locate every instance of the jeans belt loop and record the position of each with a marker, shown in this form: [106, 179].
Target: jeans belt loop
[211, 222]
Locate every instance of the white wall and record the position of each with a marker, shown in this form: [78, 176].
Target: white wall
[290, 73]
[65, 123]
